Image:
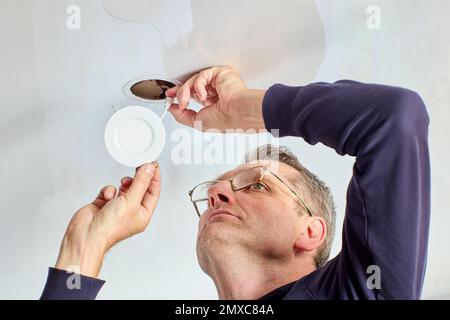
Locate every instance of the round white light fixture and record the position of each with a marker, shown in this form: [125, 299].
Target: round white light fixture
[135, 135]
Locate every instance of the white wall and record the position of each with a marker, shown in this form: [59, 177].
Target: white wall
[58, 86]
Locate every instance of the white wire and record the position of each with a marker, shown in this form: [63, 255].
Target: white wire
[168, 103]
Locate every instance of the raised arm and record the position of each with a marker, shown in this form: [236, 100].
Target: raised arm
[388, 199]
[95, 228]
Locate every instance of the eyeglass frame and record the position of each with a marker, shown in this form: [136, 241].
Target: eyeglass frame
[265, 168]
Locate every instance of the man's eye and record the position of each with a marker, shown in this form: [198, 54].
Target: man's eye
[258, 186]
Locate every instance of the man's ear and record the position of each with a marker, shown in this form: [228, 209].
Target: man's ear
[313, 235]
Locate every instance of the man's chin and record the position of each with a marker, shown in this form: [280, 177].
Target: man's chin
[218, 224]
[218, 233]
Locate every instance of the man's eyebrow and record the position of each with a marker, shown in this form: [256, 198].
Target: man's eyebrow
[222, 177]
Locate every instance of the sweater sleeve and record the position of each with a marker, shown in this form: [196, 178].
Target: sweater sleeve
[62, 285]
[387, 213]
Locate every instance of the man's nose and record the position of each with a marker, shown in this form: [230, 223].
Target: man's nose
[221, 192]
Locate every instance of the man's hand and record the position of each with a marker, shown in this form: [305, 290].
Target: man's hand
[98, 226]
[227, 103]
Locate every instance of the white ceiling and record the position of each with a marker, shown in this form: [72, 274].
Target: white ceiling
[58, 86]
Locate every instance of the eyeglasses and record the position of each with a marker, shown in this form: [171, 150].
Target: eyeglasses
[243, 180]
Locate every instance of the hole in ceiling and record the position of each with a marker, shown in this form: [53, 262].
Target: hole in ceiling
[151, 89]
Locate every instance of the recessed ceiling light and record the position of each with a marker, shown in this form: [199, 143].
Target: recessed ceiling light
[151, 89]
[135, 135]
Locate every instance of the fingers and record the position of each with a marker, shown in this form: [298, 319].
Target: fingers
[202, 80]
[204, 87]
[125, 183]
[172, 92]
[203, 84]
[109, 192]
[210, 101]
[197, 99]
[186, 116]
[140, 184]
[106, 193]
[151, 196]
[153, 192]
[183, 93]
[196, 87]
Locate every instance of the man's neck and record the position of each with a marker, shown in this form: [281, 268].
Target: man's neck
[250, 279]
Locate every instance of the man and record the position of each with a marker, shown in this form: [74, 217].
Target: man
[268, 225]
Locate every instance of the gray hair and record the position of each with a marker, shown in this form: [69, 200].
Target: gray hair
[316, 194]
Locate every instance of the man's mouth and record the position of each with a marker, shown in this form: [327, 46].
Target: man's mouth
[221, 212]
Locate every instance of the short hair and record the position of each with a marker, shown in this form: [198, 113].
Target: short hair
[316, 194]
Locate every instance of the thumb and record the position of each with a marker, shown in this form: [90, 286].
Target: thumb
[140, 183]
[183, 116]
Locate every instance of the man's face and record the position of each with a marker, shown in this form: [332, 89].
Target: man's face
[262, 220]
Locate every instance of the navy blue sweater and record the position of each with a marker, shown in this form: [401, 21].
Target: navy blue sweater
[387, 213]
